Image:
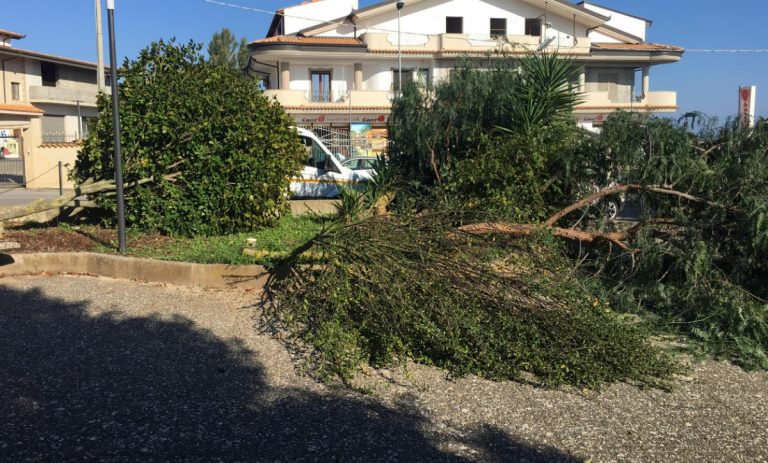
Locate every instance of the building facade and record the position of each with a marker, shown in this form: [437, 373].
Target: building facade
[47, 102]
[332, 64]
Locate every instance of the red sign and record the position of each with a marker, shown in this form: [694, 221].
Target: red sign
[746, 106]
[340, 118]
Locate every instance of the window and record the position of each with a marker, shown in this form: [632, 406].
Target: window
[498, 28]
[53, 129]
[85, 126]
[420, 75]
[315, 154]
[49, 73]
[407, 77]
[454, 25]
[533, 27]
[15, 91]
[263, 81]
[321, 85]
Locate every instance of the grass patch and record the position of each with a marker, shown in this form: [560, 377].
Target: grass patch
[285, 236]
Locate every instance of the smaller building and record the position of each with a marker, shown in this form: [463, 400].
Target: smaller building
[46, 105]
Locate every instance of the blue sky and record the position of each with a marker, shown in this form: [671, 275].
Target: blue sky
[706, 82]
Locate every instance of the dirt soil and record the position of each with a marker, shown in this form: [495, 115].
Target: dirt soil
[74, 239]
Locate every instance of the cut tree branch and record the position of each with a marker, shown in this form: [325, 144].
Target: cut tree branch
[550, 222]
[521, 230]
[89, 186]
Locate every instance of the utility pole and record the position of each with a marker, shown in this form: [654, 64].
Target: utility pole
[116, 129]
[99, 49]
[399, 6]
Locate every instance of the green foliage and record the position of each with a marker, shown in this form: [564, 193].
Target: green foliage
[496, 139]
[435, 129]
[705, 272]
[224, 50]
[235, 150]
[414, 286]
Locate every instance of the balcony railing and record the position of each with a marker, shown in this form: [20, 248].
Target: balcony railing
[341, 99]
[60, 137]
[458, 43]
[653, 101]
[63, 95]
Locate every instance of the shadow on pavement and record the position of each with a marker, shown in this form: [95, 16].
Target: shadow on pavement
[80, 387]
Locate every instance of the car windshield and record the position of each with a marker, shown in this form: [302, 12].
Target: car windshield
[360, 164]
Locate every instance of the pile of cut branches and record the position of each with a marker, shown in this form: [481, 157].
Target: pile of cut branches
[419, 286]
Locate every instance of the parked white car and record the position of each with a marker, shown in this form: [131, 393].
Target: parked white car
[324, 173]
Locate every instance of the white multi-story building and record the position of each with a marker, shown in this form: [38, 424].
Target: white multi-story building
[331, 63]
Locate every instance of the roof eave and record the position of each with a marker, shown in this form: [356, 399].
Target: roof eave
[283, 46]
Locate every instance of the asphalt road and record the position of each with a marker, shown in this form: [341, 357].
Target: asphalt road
[13, 196]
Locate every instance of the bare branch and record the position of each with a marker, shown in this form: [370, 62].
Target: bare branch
[550, 222]
[521, 230]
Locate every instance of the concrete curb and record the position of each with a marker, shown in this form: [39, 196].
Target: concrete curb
[134, 268]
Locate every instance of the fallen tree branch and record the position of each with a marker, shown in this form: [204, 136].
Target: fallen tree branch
[550, 222]
[521, 230]
[89, 186]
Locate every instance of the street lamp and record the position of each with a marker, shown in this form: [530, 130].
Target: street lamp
[116, 129]
[400, 6]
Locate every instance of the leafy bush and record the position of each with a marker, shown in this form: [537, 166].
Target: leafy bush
[234, 148]
[434, 129]
[416, 287]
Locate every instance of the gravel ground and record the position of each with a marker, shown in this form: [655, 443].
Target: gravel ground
[99, 369]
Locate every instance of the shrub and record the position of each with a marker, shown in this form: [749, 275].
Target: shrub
[234, 148]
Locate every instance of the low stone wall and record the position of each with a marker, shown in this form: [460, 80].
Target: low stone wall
[132, 268]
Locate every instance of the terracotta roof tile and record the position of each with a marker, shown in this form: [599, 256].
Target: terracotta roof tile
[11, 34]
[309, 40]
[20, 108]
[470, 52]
[65, 144]
[635, 46]
[337, 107]
[636, 106]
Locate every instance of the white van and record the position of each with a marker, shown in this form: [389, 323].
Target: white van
[323, 172]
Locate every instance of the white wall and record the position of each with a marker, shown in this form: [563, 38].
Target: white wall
[428, 17]
[379, 75]
[311, 14]
[602, 38]
[629, 24]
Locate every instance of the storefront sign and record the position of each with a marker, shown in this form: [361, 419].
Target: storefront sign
[598, 118]
[747, 106]
[377, 119]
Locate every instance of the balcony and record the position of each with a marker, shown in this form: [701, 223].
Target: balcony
[57, 95]
[337, 100]
[465, 43]
[653, 102]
